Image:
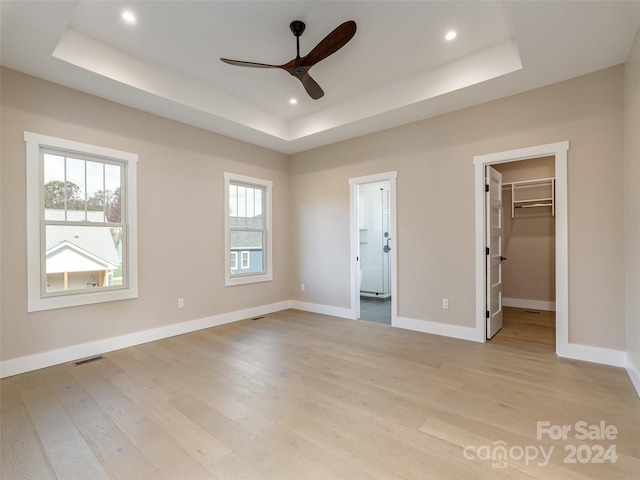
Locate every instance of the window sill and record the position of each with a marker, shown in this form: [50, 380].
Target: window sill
[74, 300]
[243, 280]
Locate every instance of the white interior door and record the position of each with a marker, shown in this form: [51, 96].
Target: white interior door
[494, 250]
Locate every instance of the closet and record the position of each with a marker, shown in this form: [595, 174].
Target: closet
[528, 274]
[535, 193]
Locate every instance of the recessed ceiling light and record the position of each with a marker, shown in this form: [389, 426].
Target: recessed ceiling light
[450, 35]
[293, 101]
[128, 16]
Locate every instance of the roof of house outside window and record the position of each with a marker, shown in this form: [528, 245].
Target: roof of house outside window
[91, 241]
[246, 240]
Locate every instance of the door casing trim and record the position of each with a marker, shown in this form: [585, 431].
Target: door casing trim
[559, 151]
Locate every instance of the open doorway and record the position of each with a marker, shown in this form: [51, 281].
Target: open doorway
[559, 152]
[373, 247]
[528, 251]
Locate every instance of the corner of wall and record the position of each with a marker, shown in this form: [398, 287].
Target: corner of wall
[634, 372]
[632, 211]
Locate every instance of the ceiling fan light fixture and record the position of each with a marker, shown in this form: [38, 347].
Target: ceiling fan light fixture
[450, 35]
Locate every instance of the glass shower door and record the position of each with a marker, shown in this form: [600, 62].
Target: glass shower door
[375, 245]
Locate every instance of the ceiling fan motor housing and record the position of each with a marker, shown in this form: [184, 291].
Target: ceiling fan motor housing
[297, 27]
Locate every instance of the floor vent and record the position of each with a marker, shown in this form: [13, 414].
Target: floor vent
[88, 360]
[531, 311]
[257, 318]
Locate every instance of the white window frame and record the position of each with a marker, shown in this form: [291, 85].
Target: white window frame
[233, 262]
[267, 275]
[37, 300]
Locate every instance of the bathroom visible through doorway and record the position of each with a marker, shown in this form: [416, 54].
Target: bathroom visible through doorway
[373, 243]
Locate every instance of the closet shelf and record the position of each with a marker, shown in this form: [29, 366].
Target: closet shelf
[547, 185]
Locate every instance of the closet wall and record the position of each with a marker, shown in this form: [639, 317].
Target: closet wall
[528, 239]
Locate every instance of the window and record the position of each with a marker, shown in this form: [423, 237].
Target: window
[247, 229]
[81, 223]
[245, 260]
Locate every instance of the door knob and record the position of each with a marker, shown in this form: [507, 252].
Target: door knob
[502, 259]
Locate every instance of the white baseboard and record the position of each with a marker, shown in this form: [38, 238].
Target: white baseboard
[605, 356]
[323, 309]
[532, 304]
[425, 326]
[28, 363]
[633, 370]
[436, 328]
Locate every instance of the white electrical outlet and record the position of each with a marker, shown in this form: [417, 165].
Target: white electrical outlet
[302, 287]
[445, 303]
[181, 303]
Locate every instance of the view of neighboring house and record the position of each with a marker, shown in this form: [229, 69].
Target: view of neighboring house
[246, 243]
[246, 252]
[79, 257]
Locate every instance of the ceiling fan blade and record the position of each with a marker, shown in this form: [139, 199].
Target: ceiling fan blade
[241, 63]
[330, 44]
[309, 84]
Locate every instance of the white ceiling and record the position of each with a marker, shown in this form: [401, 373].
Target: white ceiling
[398, 67]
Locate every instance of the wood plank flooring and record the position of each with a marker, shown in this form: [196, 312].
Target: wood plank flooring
[527, 328]
[296, 395]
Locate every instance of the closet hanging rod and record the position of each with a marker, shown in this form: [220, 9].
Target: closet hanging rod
[531, 205]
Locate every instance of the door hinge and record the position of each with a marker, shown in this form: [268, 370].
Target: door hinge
[487, 313]
[486, 250]
[486, 188]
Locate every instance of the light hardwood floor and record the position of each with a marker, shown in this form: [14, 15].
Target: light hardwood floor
[300, 396]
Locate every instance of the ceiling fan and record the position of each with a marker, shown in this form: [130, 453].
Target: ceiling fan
[299, 66]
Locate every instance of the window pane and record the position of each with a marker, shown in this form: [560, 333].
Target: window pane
[83, 257]
[250, 207]
[258, 219]
[95, 192]
[54, 187]
[75, 189]
[233, 200]
[242, 203]
[113, 180]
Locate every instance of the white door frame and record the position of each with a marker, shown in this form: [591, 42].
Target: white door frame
[559, 151]
[355, 240]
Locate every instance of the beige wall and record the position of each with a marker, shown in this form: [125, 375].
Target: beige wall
[529, 237]
[180, 212]
[632, 201]
[436, 237]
